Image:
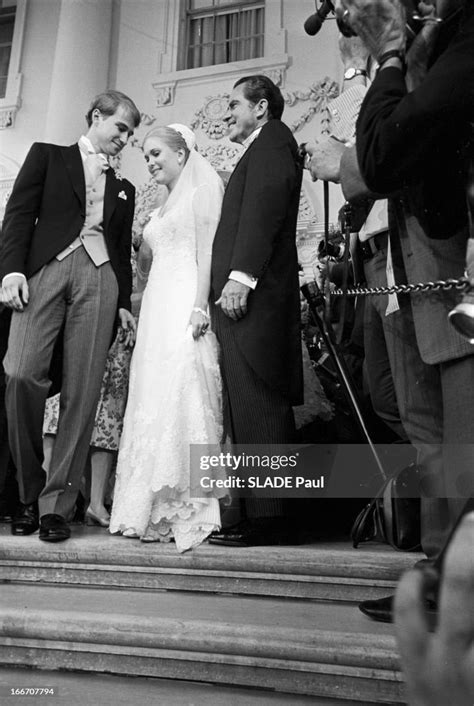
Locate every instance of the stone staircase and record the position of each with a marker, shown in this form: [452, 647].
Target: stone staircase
[274, 618]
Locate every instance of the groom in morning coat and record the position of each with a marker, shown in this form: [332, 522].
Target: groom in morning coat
[255, 286]
[65, 264]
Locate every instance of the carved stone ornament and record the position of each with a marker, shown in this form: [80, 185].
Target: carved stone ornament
[147, 198]
[222, 157]
[318, 95]
[275, 75]
[7, 117]
[6, 186]
[164, 93]
[210, 118]
[306, 213]
[146, 121]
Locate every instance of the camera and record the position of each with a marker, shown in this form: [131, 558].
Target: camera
[315, 21]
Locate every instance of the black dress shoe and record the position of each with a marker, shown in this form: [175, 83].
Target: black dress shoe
[54, 528]
[6, 515]
[250, 537]
[26, 520]
[381, 609]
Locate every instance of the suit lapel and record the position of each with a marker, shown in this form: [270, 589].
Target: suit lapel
[242, 159]
[75, 169]
[110, 196]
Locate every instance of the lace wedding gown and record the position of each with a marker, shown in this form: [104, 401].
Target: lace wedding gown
[175, 395]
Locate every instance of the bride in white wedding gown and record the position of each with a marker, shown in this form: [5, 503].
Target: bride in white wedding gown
[175, 393]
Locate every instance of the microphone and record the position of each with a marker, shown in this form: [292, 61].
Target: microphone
[314, 22]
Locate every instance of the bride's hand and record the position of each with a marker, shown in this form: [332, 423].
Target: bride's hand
[199, 324]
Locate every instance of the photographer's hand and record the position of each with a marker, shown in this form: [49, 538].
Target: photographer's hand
[325, 159]
[422, 47]
[380, 24]
[354, 53]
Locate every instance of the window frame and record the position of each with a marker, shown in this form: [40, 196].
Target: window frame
[11, 15]
[10, 104]
[274, 62]
[187, 15]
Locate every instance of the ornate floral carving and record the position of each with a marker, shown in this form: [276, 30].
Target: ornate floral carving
[210, 118]
[146, 199]
[222, 157]
[6, 186]
[318, 95]
[305, 211]
[146, 121]
[276, 75]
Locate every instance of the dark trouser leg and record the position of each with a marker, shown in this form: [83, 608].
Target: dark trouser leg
[32, 336]
[418, 394]
[379, 372]
[418, 390]
[457, 379]
[258, 415]
[89, 321]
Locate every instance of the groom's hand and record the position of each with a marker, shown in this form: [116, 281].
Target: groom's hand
[128, 326]
[15, 292]
[233, 299]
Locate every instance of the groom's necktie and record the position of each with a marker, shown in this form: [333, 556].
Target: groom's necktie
[96, 165]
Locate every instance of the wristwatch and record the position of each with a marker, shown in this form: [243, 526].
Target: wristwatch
[352, 73]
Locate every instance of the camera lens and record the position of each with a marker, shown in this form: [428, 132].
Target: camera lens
[345, 29]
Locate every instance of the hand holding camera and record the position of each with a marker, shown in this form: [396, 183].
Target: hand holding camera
[380, 24]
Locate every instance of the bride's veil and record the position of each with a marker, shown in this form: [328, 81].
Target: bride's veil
[198, 180]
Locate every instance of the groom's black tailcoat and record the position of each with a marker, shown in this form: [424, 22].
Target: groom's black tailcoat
[46, 212]
[256, 235]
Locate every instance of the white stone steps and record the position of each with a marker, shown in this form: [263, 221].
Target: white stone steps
[301, 647]
[333, 572]
[81, 689]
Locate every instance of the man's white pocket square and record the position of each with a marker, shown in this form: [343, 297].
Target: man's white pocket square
[122, 195]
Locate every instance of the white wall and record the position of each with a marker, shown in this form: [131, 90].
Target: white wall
[74, 48]
[37, 61]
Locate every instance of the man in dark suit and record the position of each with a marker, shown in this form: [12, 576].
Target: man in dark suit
[255, 278]
[411, 144]
[65, 263]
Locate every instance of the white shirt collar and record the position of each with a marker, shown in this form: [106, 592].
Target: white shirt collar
[86, 145]
[253, 136]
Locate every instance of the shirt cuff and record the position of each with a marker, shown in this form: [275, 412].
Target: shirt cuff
[244, 278]
[11, 274]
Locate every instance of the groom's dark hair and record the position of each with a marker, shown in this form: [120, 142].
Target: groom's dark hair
[258, 87]
[109, 101]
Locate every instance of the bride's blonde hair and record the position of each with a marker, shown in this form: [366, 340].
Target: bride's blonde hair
[173, 139]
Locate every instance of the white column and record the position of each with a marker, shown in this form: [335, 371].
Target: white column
[81, 66]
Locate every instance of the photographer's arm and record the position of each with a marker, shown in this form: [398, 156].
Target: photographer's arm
[397, 131]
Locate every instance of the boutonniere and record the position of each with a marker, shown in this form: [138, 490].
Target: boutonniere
[117, 175]
[122, 195]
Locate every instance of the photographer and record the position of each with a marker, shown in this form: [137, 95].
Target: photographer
[389, 339]
[411, 145]
[403, 387]
[418, 161]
